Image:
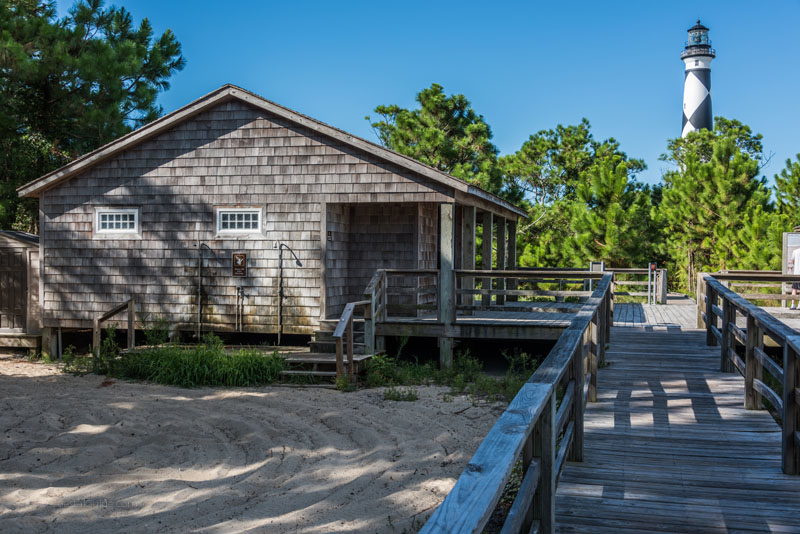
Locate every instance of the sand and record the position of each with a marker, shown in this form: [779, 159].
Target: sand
[87, 454]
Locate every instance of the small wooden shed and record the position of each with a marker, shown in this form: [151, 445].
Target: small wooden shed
[234, 213]
[20, 314]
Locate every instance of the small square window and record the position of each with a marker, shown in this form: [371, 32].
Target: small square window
[238, 220]
[117, 221]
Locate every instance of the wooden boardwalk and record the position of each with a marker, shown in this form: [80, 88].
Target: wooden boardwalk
[669, 446]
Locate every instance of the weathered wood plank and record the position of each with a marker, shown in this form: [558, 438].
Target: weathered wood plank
[670, 447]
[472, 500]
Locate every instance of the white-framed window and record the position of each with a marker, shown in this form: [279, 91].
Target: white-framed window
[117, 221]
[238, 220]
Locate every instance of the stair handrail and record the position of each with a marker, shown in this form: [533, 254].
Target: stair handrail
[130, 305]
[375, 292]
[344, 332]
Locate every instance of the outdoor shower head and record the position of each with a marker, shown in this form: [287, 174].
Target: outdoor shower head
[296, 259]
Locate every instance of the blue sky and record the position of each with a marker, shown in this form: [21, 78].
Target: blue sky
[525, 66]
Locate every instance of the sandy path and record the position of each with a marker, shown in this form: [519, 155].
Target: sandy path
[80, 456]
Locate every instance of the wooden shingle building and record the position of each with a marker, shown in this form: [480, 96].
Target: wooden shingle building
[234, 213]
[19, 290]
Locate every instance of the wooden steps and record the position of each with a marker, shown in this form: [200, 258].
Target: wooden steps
[317, 364]
[308, 373]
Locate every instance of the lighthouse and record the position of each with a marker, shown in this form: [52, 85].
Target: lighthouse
[697, 56]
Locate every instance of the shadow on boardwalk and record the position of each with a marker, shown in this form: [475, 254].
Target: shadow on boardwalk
[669, 446]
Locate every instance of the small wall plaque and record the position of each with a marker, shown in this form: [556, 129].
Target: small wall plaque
[239, 264]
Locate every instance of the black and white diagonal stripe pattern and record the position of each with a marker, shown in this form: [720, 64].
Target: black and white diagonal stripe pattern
[697, 101]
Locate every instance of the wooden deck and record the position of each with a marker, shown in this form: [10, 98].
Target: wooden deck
[515, 321]
[669, 446]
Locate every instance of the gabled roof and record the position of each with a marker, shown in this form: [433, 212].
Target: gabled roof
[231, 92]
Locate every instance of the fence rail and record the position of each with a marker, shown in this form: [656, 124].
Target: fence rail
[537, 431]
[743, 350]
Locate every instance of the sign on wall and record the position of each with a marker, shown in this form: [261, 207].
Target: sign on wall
[239, 264]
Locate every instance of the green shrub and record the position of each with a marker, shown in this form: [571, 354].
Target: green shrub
[104, 358]
[465, 376]
[157, 331]
[401, 395]
[343, 384]
[213, 341]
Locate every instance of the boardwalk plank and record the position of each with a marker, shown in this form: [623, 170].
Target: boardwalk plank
[669, 445]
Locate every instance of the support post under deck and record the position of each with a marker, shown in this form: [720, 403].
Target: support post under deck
[501, 258]
[447, 302]
[486, 253]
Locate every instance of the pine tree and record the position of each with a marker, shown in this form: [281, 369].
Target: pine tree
[70, 85]
[707, 201]
[787, 190]
[548, 169]
[611, 217]
[761, 240]
[446, 133]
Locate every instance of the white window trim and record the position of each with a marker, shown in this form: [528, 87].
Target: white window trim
[115, 231]
[236, 231]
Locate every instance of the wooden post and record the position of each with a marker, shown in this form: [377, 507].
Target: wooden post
[447, 304]
[700, 298]
[486, 252]
[380, 310]
[728, 318]
[578, 372]
[350, 364]
[661, 288]
[594, 354]
[369, 325]
[751, 398]
[711, 318]
[501, 258]
[131, 323]
[96, 337]
[527, 459]
[468, 251]
[791, 410]
[544, 448]
[511, 257]
[339, 358]
[604, 329]
[48, 343]
[323, 260]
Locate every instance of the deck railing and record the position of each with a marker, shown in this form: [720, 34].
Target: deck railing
[98, 321]
[641, 283]
[540, 430]
[499, 287]
[743, 350]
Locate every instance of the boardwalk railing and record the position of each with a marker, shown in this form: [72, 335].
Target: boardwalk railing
[98, 321]
[641, 283]
[499, 287]
[743, 350]
[537, 433]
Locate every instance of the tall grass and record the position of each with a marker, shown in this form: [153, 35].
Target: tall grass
[200, 366]
[207, 364]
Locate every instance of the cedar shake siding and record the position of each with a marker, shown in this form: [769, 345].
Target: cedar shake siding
[233, 155]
